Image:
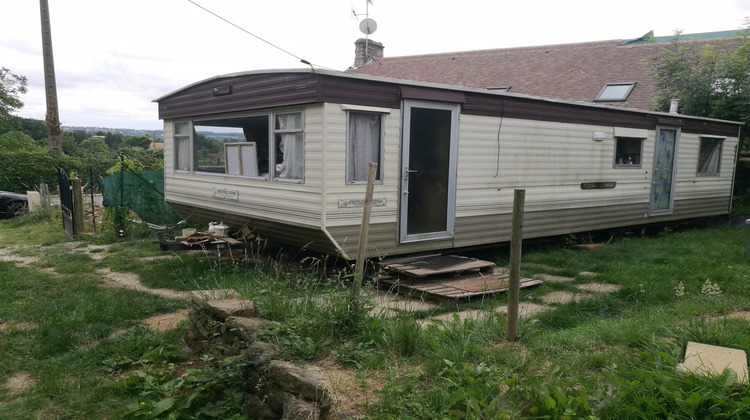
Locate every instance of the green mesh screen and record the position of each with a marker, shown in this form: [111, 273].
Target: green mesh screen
[142, 192]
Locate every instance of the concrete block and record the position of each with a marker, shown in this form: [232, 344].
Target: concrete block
[35, 200]
[705, 359]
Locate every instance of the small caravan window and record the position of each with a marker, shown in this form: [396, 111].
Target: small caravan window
[182, 149]
[364, 144]
[290, 158]
[709, 156]
[628, 152]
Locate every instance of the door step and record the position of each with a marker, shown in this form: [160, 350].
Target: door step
[441, 277]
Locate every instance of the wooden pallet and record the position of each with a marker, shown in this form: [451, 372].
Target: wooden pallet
[442, 277]
[453, 288]
[433, 265]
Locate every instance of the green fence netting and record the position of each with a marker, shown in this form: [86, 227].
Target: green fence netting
[142, 192]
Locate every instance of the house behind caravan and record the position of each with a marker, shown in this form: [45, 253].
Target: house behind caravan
[290, 150]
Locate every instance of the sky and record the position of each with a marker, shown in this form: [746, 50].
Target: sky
[113, 58]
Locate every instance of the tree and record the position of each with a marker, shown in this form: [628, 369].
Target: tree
[12, 86]
[139, 142]
[114, 140]
[710, 80]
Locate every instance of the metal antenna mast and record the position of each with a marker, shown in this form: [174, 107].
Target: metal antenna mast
[52, 121]
[367, 26]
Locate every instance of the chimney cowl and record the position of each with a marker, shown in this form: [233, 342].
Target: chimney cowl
[673, 106]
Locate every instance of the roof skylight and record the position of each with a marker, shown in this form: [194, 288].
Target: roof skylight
[614, 92]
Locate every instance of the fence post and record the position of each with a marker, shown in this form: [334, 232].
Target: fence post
[364, 232]
[77, 205]
[516, 238]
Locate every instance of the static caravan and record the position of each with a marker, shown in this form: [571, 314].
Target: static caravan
[286, 153]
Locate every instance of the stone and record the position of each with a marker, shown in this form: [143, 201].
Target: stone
[705, 359]
[598, 287]
[553, 279]
[525, 309]
[259, 409]
[224, 308]
[297, 409]
[302, 382]
[246, 328]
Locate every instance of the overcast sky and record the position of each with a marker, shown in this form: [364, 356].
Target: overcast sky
[112, 58]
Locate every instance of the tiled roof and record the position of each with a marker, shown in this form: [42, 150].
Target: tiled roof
[575, 72]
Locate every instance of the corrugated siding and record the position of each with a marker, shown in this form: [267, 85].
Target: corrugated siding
[548, 160]
[336, 186]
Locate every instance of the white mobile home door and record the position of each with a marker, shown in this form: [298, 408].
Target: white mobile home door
[662, 182]
[428, 178]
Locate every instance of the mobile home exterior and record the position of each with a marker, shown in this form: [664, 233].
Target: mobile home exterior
[296, 145]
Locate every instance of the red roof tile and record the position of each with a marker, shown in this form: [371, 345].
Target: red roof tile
[575, 72]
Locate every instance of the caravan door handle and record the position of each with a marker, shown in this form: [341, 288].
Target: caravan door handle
[408, 171]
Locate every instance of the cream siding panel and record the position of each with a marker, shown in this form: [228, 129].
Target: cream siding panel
[336, 186]
[168, 150]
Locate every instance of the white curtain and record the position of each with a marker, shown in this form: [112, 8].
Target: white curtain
[711, 165]
[364, 144]
[292, 149]
[182, 144]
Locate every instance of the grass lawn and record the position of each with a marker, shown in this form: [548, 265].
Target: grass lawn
[72, 348]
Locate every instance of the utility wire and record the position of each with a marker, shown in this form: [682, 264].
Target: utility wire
[255, 36]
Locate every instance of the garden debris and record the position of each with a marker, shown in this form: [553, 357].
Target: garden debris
[705, 359]
[198, 240]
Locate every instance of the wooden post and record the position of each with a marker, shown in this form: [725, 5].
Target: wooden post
[52, 120]
[364, 232]
[77, 205]
[516, 237]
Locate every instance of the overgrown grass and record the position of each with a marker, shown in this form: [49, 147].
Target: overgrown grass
[610, 355]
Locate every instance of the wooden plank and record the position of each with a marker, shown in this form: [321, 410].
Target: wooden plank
[417, 271]
[455, 289]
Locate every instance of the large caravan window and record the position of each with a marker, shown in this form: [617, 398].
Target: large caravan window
[709, 156]
[265, 146]
[225, 145]
[628, 152]
[364, 145]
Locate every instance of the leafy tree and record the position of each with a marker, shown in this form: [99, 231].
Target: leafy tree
[96, 146]
[34, 128]
[114, 140]
[12, 86]
[710, 80]
[15, 141]
[139, 142]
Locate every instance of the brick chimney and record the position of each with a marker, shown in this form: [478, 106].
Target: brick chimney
[365, 50]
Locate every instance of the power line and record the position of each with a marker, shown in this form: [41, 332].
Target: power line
[255, 36]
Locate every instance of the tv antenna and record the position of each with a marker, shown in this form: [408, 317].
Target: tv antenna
[367, 26]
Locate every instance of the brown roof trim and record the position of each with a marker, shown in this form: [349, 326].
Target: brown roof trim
[271, 89]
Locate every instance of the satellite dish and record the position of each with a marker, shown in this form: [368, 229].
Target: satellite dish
[368, 26]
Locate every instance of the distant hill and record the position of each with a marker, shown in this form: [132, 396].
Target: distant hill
[154, 134]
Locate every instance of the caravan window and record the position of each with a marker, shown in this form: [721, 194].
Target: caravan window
[182, 149]
[232, 145]
[364, 144]
[709, 156]
[290, 157]
[628, 152]
[265, 146]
